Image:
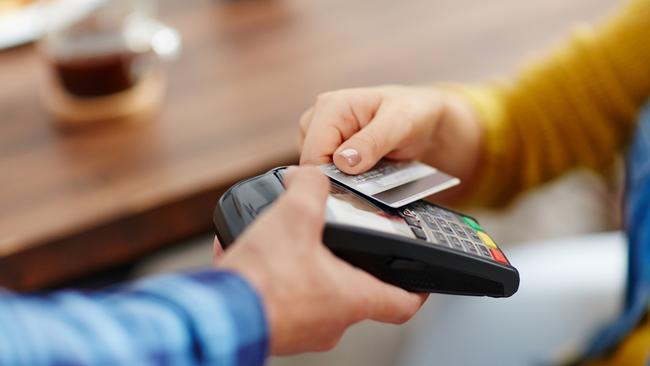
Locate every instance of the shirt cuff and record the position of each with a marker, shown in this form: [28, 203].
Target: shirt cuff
[226, 314]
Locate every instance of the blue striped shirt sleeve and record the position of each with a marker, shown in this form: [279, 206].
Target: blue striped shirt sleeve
[201, 318]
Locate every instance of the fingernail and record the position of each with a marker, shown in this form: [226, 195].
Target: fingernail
[351, 156]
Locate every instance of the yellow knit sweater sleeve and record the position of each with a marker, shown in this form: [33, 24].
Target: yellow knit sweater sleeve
[577, 107]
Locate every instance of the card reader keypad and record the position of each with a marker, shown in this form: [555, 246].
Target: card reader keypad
[445, 228]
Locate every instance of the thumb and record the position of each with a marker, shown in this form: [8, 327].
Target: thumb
[304, 200]
[365, 148]
[307, 180]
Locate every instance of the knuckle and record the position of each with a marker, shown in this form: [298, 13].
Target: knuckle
[361, 310]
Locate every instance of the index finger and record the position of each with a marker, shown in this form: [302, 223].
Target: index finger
[330, 125]
[321, 140]
[217, 249]
[391, 304]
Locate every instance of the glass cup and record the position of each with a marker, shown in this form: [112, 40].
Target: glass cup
[106, 64]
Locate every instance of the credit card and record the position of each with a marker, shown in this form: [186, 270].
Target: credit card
[394, 183]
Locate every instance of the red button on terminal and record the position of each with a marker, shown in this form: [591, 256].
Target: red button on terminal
[498, 256]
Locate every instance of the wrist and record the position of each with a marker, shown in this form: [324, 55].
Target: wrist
[254, 275]
[457, 142]
[222, 296]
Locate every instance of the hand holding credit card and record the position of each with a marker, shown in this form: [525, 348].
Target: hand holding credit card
[394, 183]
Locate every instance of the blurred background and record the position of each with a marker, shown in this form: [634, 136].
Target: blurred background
[121, 124]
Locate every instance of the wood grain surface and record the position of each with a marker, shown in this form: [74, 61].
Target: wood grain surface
[74, 203]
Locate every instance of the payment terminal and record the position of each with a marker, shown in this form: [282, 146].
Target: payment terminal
[420, 247]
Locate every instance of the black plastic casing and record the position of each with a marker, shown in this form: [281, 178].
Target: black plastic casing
[413, 264]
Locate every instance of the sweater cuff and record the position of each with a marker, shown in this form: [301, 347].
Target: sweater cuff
[487, 185]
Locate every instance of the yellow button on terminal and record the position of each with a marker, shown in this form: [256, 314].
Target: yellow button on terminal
[486, 239]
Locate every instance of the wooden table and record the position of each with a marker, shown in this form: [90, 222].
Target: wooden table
[75, 203]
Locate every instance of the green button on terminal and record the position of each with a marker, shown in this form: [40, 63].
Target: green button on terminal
[473, 224]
